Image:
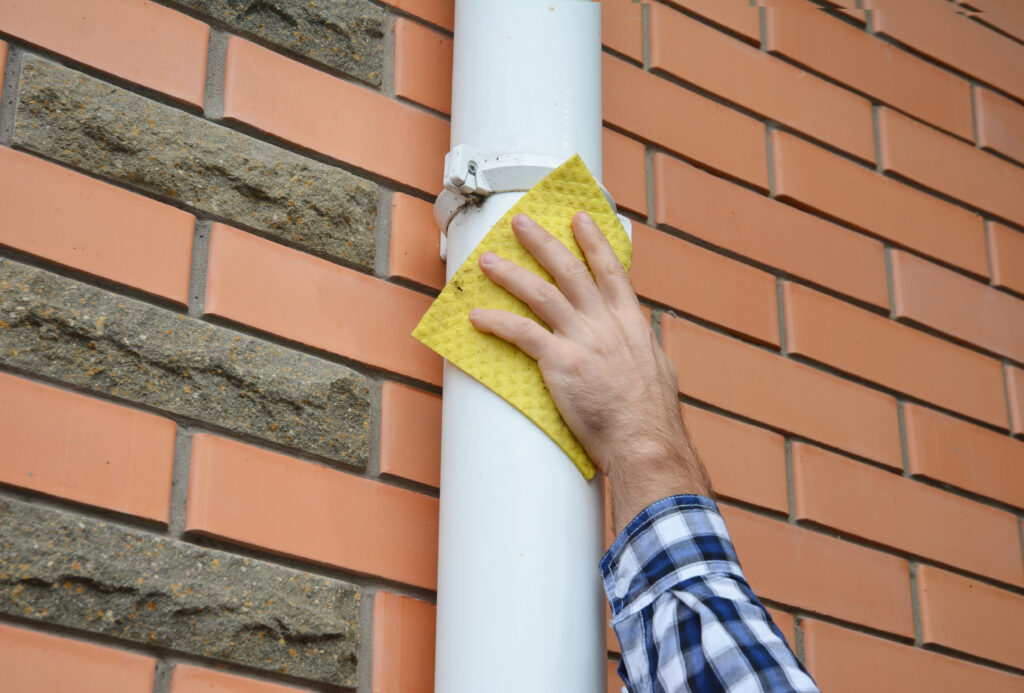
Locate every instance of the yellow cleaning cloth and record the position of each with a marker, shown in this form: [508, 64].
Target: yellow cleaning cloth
[500, 366]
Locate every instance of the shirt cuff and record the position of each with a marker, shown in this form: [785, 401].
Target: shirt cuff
[672, 540]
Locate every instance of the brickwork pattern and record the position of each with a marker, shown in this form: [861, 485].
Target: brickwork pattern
[222, 448]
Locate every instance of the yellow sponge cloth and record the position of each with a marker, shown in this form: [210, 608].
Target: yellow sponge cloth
[500, 366]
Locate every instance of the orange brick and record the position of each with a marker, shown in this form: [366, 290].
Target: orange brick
[439, 12]
[891, 510]
[1000, 124]
[191, 679]
[300, 297]
[315, 110]
[693, 280]
[855, 58]
[949, 166]
[785, 623]
[929, 27]
[954, 452]
[896, 356]
[403, 644]
[970, 616]
[3, 62]
[845, 661]
[776, 90]
[1005, 15]
[746, 463]
[812, 177]
[423, 65]
[622, 28]
[137, 40]
[320, 514]
[817, 573]
[410, 434]
[735, 15]
[1006, 250]
[1015, 396]
[39, 663]
[77, 221]
[84, 449]
[769, 232]
[649, 107]
[415, 250]
[625, 171]
[612, 680]
[958, 306]
[782, 393]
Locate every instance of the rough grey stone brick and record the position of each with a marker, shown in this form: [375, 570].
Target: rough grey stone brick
[97, 340]
[98, 127]
[78, 572]
[347, 35]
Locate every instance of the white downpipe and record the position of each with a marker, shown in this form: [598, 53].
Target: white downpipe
[520, 605]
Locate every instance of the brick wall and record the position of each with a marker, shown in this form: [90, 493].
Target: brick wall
[220, 459]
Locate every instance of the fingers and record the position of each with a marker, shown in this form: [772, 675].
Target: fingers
[570, 273]
[515, 329]
[612, 279]
[541, 296]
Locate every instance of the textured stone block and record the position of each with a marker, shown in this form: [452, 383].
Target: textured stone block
[347, 35]
[61, 568]
[116, 134]
[84, 336]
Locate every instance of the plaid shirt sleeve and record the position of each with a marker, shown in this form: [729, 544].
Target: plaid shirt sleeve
[685, 616]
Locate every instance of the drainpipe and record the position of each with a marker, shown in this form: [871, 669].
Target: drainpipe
[520, 605]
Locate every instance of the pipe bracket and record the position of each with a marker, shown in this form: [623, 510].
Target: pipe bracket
[470, 176]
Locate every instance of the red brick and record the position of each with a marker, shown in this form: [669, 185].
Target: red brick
[410, 434]
[612, 680]
[622, 28]
[782, 393]
[1005, 15]
[817, 573]
[191, 679]
[77, 221]
[883, 508]
[625, 171]
[439, 12]
[84, 449]
[403, 644]
[954, 452]
[936, 29]
[300, 297]
[746, 463]
[971, 616]
[958, 306]
[1000, 123]
[774, 89]
[415, 250]
[812, 177]
[949, 166]
[320, 514]
[423, 65]
[855, 58]
[1015, 396]
[39, 663]
[735, 15]
[3, 62]
[693, 280]
[136, 40]
[785, 623]
[649, 107]
[1006, 250]
[845, 661]
[350, 123]
[896, 356]
[769, 232]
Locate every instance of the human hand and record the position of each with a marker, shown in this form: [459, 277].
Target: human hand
[607, 374]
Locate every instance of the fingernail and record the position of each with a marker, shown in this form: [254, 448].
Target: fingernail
[475, 313]
[488, 258]
[583, 216]
[522, 221]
